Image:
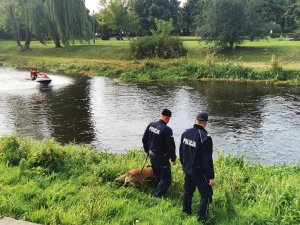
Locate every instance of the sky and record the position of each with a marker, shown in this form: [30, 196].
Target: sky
[93, 5]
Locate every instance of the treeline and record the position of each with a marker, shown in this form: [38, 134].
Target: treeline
[222, 22]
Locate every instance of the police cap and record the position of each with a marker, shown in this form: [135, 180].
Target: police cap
[166, 112]
[202, 116]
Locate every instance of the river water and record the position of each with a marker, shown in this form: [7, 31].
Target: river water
[259, 121]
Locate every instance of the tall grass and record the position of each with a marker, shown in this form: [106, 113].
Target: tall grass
[72, 184]
[185, 70]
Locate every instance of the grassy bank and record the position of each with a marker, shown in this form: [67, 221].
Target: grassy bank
[47, 183]
[251, 61]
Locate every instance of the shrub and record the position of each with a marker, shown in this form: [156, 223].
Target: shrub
[11, 151]
[47, 155]
[296, 36]
[161, 46]
[275, 65]
[210, 58]
[275, 35]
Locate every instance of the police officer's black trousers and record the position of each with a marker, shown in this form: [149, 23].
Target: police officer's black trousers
[190, 184]
[162, 172]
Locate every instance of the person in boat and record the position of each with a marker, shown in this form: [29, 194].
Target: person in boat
[33, 73]
[159, 145]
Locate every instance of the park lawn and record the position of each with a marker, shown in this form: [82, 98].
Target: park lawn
[112, 58]
[251, 52]
[44, 182]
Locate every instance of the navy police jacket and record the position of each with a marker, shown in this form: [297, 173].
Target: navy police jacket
[195, 151]
[158, 137]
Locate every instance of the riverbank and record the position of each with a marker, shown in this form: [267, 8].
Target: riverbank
[44, 182]
[252, 61]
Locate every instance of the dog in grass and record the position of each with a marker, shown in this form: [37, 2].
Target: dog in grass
[136, 176]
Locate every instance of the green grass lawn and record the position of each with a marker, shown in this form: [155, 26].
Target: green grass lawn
[47, 183]
[258, 52]
[112, 58]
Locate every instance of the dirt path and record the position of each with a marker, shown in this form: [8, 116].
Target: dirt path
[10, 221]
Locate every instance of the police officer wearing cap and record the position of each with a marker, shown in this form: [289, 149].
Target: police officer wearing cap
[195, 150]
[159, 145]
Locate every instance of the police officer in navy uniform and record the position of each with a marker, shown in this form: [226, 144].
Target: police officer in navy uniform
[159, 145]
[195, 150]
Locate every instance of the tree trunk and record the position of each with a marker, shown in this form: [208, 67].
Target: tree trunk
[57, 41]
[231, 44]
[15, 28]
[28, 39]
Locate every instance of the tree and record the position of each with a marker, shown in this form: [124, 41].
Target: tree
[230, 22]
[149, 10]
[255, 27]
[116, 16]
[223, 22]
[190, 15]
[274, 11]
[15, 14]
[293, 10]
[67, 20]
[64, 20]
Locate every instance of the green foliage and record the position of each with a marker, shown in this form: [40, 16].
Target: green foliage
[230, 22]
[210, 58]
[276, 68]
[275, 35]
[157, 46]
[47, 156]
[68, 20]
[296, 36]
[117, 17]
[208, 70]
[163, 27]
[11, 152]
[160, 44]
[147, 11]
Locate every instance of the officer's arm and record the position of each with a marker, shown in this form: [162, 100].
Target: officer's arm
[181, 150]
[145, 139]
[207, 159]
[170, 144]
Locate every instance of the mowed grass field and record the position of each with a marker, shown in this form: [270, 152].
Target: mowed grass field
[256, 54]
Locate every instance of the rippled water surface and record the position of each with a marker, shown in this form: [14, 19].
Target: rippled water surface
[259, 121]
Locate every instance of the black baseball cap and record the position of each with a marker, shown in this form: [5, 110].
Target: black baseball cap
[202, 116]
[166, 112]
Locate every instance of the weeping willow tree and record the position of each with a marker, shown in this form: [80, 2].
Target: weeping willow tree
[13, 15]
[38, 20]
[67, 21]
[63, 20]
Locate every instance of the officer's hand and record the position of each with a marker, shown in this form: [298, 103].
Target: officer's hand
[212, 182]
[174, 163]
[147, 154]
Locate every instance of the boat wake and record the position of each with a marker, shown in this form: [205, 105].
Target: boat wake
[15, 81]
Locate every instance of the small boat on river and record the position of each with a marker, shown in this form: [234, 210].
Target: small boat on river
[41, 78]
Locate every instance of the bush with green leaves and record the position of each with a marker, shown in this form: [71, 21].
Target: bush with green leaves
[161, 44]
[11, 152]
[296, 36]
[275, 35]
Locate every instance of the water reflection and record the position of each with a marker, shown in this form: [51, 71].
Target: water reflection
[260, 121]
[70, 113]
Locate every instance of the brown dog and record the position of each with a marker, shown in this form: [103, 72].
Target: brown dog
[136, 176]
